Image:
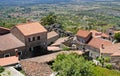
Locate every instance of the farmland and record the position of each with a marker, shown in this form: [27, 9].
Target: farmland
[81, 15]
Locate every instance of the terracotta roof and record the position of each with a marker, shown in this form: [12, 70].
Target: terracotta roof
[105, 35]
[114, 49]
[32, 68]
[83, 33]
[97, 42]
[31, 28]
[8, 61]
[9, 41]
[97, 34]
[116, 54]
[51, 34]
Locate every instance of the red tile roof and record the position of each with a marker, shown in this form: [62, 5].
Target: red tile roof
[9, 41]
[116, 54]
[105, 35]
[114, 50]
[31, 28]
[83, 33]
[97, 42]
[32, 68]
[8, 61]
[97, 34]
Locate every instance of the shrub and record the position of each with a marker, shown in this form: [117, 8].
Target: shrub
[66, 48]
[108, 66]
[72, 65]
[107, 59]
[101, 60]
[1, 69]
[117, 37]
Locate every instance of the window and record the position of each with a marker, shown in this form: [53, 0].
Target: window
[19, 52]
[38, 38]
[33, 38]
[31, 49]
[7, 55]
[44, 43]
[29, 39]
[110, 33]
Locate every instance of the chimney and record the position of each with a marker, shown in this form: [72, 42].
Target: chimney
[16, 52]
[102, 46]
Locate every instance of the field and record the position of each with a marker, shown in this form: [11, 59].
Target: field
[105, 72]
[72, 16]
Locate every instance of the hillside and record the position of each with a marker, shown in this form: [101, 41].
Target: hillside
[31, 2]
[77, 14]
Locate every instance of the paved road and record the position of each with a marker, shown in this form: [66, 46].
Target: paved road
[50, 57]
[14, 72]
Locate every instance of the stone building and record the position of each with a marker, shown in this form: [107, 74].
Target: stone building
[96, 34]
[23, 40]
[84, 36]
[95, 46]
[34, 36]
[112, 51]
[9, 44]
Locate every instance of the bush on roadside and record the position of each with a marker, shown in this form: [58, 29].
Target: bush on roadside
[1, 69]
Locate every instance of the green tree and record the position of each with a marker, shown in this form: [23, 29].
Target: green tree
[72, 65]
[49, 19]
[117, 37]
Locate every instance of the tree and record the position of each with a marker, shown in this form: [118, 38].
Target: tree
[72, 65]
[49, 19]
[117, 37]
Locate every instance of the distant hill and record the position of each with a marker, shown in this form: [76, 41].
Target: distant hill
[28, 2]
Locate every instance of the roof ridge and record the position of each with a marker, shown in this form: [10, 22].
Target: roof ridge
[25, 23]
[4, 28]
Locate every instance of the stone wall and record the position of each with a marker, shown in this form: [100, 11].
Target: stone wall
[53, 39]
[115, 59]
[41, 43]
[93, 52]
[12, 52]
[18, 34]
